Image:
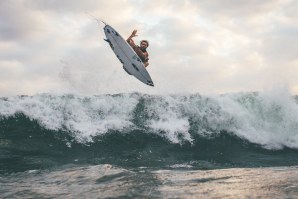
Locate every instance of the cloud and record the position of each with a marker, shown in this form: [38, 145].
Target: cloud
[64, 6]
[18, 22]
[195, 46]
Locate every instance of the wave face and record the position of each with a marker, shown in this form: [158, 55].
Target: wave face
[243, 129]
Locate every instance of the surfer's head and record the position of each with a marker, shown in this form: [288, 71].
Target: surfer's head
[144, 44]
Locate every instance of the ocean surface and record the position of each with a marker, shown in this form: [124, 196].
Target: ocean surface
[134, 145]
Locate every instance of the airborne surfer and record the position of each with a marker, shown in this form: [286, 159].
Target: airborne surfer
[140, 50]
[132, 57]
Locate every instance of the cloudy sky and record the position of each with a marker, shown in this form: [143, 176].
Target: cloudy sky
[206, 46]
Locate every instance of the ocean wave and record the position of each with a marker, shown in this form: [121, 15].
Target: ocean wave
[267, 119]
[152, 131]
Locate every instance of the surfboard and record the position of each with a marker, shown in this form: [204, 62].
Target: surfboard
[132, 64]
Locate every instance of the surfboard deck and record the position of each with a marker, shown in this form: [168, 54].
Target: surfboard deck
[132, 64]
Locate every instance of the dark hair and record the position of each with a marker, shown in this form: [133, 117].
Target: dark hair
[145, 42]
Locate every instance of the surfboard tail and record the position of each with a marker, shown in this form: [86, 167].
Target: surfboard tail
[150, 83]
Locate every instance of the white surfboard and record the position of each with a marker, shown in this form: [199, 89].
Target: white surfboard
[132, 64]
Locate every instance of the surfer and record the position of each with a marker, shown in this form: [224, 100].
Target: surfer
[140, 50]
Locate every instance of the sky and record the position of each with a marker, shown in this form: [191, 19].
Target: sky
[206, 46]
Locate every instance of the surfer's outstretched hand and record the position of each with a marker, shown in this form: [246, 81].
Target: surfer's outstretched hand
[134, 32]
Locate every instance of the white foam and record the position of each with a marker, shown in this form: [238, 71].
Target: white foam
[166, 117]
[84, 116]
[269, 118]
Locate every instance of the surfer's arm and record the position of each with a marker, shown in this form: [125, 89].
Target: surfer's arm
[129, 39]
[146, 63]
[144, 57]
[131, 43]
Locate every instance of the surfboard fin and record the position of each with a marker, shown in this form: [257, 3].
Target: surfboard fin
[107, 40]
